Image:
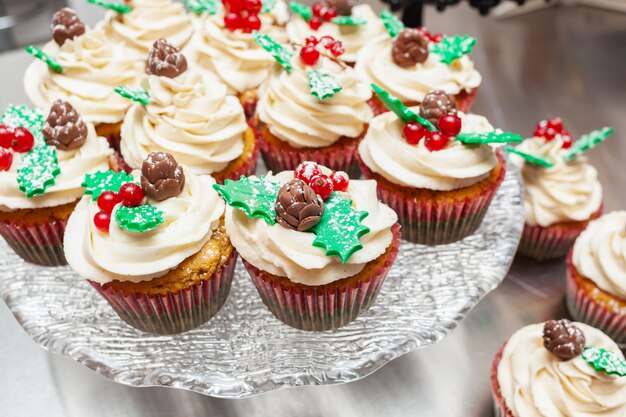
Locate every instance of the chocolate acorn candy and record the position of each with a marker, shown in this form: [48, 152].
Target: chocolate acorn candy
[297, 206]
[66, 25]
[436, 104]
[563, 339]
[161, 176]
[64, 128]
[165, 60]
[409, 48]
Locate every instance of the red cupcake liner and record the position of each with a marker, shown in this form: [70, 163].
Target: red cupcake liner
[38, 244]
[173, 312]
[464, 101]
[249, 108]
[586, 310]
[499, 406]
[323, 307]
[437, 223]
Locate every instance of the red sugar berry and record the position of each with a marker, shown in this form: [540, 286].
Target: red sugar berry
[6, 159]
[549, 134]
[315, 23]
[330, 13]
[311, 40]
[322, 185]
[539, 132]
[309, 55]
[437, 37]
[132, 195]
[337, 49]
[413, 132]
[102, 220]
[318, 9]
[567, 141]
[555, 123]
[234, 6]
[108, 200]
[6, 136]
[23, 140]
[436, 141]
[233, 21]
[307, 170]
[340, 180]
[327, 41]
[252, 23]
[450, 124]
[253, 6]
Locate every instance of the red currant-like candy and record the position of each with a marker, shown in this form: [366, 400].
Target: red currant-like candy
[337, 49]
[318, 9]
[23, 140]
[132, 195]
[236, 6]
[567, 141]
[315, 23]
[450, 124]
[550, 134]
[252, 23]
[102, 221]
[437, 37]
[309, 55]
[322, 185]
[311, 40]
[6, 136]
[555, 123]
[307, 170]
[6, 159]
[108, 200]
[539, 132]
[327, 41]
[413, 132]
[340, 181]
[233, 21]
[253, 6]
[436, 141]
[330, 13]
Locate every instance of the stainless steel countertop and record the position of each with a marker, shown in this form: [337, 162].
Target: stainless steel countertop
[565, 61]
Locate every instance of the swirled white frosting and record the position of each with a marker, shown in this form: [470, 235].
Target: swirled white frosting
[122, 255]
[189, 117]
[353, 38]
[92, 68]
[375, 65]
[297, 117]
[74, 165]
[600, 253]
[148, 21]
[569, 191]
[385, 151]
[535, 383]
[289, 253]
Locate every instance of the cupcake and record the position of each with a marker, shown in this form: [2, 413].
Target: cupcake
[559, 368]
[312, 107]
[42, 165]
[354, 25]
[224, 46]
[561, 194]
[82, 66]
[191, 118]
[316, 245]
[438, 173]
[410, 63]
[596, 276]
[158, 253]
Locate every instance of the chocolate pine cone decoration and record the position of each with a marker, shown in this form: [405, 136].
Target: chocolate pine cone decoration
[165, 60]
[436, 104]
[410, 48]
[298, 207]
[64, 128]
[563, 339]
[344, 7]
[66, 25]
[161, 176]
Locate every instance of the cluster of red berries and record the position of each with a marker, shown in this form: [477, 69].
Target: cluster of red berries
[322, 184]
[321, 13]
[130, 195]
[13, 139]
[309, 54]
[433, 37]
[242, 14]
[449, 126]
[548, 129]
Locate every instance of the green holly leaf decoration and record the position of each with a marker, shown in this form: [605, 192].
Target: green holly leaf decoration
[281, 54]
[490, 137]
[392, 23]
[588, 141]
[340, 228]
[349, 21]
[24, 116]
[323, 85]
[117, 7]
[602, 360]
[531, 158]
[38, 171]
[301, 10]
[139, 219]
[138, 95]
[254, 196]
[403, 112]
[452, 48]
[268, 6]
[101, 181]
[47, 59]
[202, 6]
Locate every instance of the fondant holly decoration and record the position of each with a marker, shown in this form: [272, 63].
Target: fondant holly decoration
[47, 59]
[38, 171]
[452, 48]
[301, 10]
[138, 95]
[403, 112]
[348, 21]
[588, 141]
[23, 116]
[116, 7]
[102, 181]
[323, 85]
[268, 6]
[602, 360]
[281, 54]
[202, 6]
[139, 218]
[393, 25]
[533, 159]
[243, 15]
[254, 196]
[489, 137]
[315, 15]
[549, 129]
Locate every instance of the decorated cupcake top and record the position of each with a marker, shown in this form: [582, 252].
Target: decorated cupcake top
[224, 45]
[44, 159]
[81, 66]
[312, 99]
[410, 63]
[141, 226]
[311, 225]
[599, 253]
[139, 23]
[560, 186]
[354, 25]
[432, 146]
[562, 368]
[186, 115]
